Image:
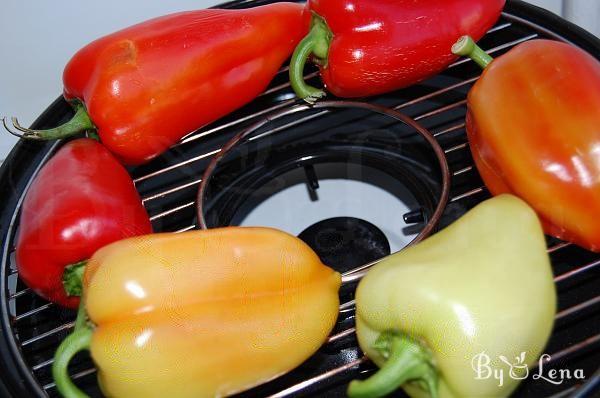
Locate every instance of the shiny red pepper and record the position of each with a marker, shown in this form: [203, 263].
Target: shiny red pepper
[534, 131]
[145, 87]
[367, 47]
[81, 200]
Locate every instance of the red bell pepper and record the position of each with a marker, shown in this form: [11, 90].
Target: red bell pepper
[534, 129]
[81, 200]
[145, 87]
[367, 47]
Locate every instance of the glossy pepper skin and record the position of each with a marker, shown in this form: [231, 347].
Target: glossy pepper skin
[202, 313]
[366, 47]
[533, 127]
[425, 313]
[146, 86]
[81, 200]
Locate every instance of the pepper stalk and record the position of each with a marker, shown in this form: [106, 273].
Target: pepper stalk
[79, 123]
[73, 278]
[77, 341]
[316, 43]
[407, 360]
[466, 47]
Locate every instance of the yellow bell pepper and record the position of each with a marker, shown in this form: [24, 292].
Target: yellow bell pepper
[426, 314]
[201, 313]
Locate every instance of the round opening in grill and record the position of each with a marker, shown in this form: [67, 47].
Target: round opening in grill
[376, 169]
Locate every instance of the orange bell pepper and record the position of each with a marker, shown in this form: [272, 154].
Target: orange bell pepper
[533, 126]
[201, 313]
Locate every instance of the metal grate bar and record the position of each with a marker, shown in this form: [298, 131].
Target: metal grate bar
[20, 293]
[456, 148]
[559, 246]
[290, 124]
[577, 271]
[440, 110]
[188, 228]
[48, 333]
[335, 337]
[347, 305]
[171, 190]
[457, 127]
[462, 171]
[307, 383]
[577, 308]
[436, 93]
[176, 166]
[171, 211]
[42, 365]
[499, 27]
[34, 311]
[572, 349]
[195, 136]
[466, 194]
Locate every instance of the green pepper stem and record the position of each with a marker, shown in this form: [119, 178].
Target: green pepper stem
[315, 43]
[466, 47]
[81, 320]
[407, 361]
[79, 123]
[73, 278]
[93, 135]
[77, 341]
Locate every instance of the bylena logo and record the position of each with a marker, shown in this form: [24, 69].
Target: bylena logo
[518, 370]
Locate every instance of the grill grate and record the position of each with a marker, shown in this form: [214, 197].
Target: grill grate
[168, 187]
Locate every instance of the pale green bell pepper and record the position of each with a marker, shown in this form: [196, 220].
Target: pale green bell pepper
[482, 288]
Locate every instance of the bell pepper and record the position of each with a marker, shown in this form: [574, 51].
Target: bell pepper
[201, 313]
[532, 125]
[81, 200]
[366, 47]
[145, 87]
[424, 314]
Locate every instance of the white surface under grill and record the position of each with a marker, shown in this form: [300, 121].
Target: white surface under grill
[293, 211]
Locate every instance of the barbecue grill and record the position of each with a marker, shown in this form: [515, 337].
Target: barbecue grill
[344, 144]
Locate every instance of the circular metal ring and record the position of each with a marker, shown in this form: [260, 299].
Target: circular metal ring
[423, 132]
